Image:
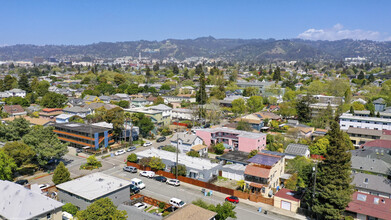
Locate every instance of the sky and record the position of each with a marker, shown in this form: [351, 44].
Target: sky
[81, 22]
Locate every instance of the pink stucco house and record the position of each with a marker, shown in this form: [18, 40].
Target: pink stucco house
[238, 140]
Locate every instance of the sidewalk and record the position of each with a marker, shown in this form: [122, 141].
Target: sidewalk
[256, 205]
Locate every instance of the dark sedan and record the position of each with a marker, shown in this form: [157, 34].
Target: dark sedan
[161, 139]
[160, 179]
[22, 182]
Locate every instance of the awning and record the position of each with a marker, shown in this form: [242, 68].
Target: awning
[86, 147]
[257, 185]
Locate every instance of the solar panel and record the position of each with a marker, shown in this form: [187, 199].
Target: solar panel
[361, 197]
[264, 160]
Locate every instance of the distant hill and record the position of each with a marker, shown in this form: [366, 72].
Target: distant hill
[232, 49]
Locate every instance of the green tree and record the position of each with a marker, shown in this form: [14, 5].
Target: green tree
[14, 130]
[148, 74]
[24, 83]
[21, 153]
[9, 81]
[255, 104]
[132, 158]
[7, 166]
[53, 100]
[252, 153]
[17, 101]
[333, 180]
[219, 148]
[193, 153]
[303, 109]
[42, 88]
[351, 111]
[182, 171]
[320, 146]
[45, 144]
[159, 100]
[250, 91]
[201, 96]
[119, 79]
[175, 69]
[348, 96]
[144, 123]
[218, 92]
[225, 210]
[117, 118]
[102, 208]
[156, 163]
[277, 74]
[61, 174]
[293, 182]
[238, 106]
[70, 208]
[358, 106]
[244, 126]
[361, 75]
[156, 67]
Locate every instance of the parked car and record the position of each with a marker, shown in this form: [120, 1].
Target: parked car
[140, 205]
[161, 139]
[232, 199]
[134, 189]
[171, 209]
[43, 186]
[78, 150]
[160, 147]
[177, 202]
[137, 182]
[21, 182]
[130, 169]
[148, 174]
[147, 144]
[160, 178]
[131, 149]
[173, 182]
[119, 152]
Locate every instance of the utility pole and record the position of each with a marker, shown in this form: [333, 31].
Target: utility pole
[177, 151]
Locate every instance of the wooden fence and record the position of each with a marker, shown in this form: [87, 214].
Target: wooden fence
[243, 195]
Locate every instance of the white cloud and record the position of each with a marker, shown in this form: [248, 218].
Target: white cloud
[338, 32]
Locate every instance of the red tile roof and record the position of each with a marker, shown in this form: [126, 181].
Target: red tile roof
[257, 171]
[288, 194]
[378, 143]
[369, 207]
[386, 132]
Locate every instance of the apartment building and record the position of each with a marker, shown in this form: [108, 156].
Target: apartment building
[233, 139]
[357, 120]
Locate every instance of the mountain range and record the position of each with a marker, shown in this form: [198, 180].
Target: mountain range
[253, 50]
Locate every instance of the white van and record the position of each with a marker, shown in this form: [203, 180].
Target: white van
[177, 202]
[138, 183]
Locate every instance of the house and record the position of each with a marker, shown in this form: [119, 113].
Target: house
[18, 202]
[287, 199]
[50, 112]
[183, 114]
[122, 96]
[166, 112]
[234, 139]
[234, 157]
[32, 120]
[88, 99]
[139, 102]
[14, 110]
[294, 150]
[179, 99]
[185, 141]
[196, 167]
[371, 165]
[75, 102]
[63, 118]
[85, 190]
[256, 120]
[95, 105]
[263, 172]
[201, 149]
[233, 171]
[372, 184]
[191, 212]
[322, 102]
[105, 99]
[380, 104]
[155, 116]
[84, 135]
[366, 206]
[17, 93]
[78, 111]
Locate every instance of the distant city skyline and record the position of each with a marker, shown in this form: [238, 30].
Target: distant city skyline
[84, 22]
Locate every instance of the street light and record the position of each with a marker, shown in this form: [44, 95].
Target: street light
[177, 150]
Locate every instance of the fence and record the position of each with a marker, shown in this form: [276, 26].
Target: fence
[243, 195]
[151, 201]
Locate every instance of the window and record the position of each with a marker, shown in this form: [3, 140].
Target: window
[366, 180]
[49, 215]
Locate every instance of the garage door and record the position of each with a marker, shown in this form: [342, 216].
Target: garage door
[285, 205]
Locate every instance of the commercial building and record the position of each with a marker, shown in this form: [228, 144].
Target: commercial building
[234, 139]
[197, 168]
[84, 135]
[18, 202]
[85, 190]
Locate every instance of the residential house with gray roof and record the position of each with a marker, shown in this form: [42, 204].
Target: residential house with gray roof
[370, 165]
[294, 150]
[185, 141]
[372, 184]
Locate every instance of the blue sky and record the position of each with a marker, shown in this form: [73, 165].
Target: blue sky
[85, 21]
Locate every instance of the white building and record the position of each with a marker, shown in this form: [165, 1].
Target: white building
[17, 93]
[166, 110]
[349, 120]
[182, 113]
[185, 141]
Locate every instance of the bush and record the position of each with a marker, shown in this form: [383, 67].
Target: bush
[92, 163]
[169, 148]
[219, 148]
[132, 158]
[70, 208]
[162, 205]
[193, 154]
[165, 213]
[181, 170]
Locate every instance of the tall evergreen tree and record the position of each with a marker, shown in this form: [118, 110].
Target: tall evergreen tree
[201, 96]
[61, 174]
[277, 74]
[303, 109]
[24, 83]
[333, 190]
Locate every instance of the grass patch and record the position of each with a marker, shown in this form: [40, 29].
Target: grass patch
[158, 210]
[222, 178]
[146, 210]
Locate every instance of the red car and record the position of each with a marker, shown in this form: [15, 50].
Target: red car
[232, 199]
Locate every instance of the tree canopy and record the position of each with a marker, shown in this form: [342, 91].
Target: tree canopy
[102, 209]
[61, 174]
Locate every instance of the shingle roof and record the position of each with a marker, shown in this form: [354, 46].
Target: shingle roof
[289, 194]
[296, 149]
[191, 212]
[161, 107]
[17, 202]
[13, 108]
[378, 143]
[186, 138]
[374, 182]
[379, 101]
[370, 205]
[370, 164]
[372, 132]
[198, 147]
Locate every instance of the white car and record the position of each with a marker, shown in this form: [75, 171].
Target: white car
[148, 174]
[147, 144]
[177, 202]
[174, 182]
[119, 152]
[140, 205]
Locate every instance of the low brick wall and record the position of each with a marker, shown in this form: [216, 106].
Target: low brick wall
[241, 194]
[149, 200]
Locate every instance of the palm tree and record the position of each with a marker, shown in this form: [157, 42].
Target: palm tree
[127, 119]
